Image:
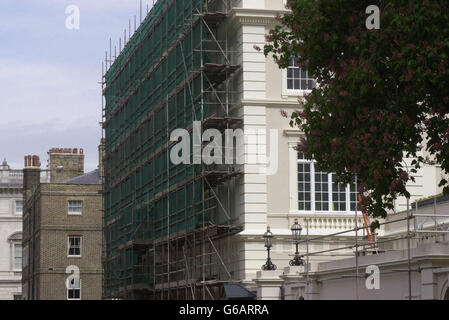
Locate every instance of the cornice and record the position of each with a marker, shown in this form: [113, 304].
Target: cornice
[11, 190]
[269, 103]
[11, 218]
[293, 133]
[245, 16]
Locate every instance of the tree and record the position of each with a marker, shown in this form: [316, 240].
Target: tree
[383, 94]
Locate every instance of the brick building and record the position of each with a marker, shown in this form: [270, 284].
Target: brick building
[62, 229]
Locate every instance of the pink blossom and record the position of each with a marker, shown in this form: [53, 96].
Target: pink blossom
[344, 93]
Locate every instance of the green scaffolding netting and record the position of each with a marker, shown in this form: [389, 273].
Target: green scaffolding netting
[152, 88]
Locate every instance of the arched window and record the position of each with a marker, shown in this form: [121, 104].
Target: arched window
[15, 241]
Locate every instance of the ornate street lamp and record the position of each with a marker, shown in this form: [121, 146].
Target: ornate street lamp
[296, 234]
[268, 236]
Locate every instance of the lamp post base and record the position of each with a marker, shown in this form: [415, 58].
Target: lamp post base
[296, 261]
[269, 265]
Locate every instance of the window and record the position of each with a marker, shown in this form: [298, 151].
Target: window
[75, 207]
[304, 189]
[19, 207]
[320, 191]
[354, 196]
[74, 246]
[298, 79]
[17, 256]
[338, 195]
[74, 289]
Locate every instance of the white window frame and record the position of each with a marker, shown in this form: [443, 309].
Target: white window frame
[80, 247]
[15, 208]
[312, 192]
[292, 92]
[74, 213]
[80, 290]
[14, 244]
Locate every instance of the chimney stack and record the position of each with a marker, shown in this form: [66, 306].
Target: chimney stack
[31, 175]
[65, 163]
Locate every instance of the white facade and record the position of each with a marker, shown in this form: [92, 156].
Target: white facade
[11, 202]
[429, 264]
[380, 277]
[10, 232]
[272, 199]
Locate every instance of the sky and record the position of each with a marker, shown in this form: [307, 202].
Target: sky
[50, 94]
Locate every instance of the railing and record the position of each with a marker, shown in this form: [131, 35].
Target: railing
[16, 173]
[336, 223]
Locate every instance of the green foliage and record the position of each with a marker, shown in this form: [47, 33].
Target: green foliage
[380, 91]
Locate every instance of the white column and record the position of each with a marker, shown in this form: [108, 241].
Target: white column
[428, 283]
[294, 286]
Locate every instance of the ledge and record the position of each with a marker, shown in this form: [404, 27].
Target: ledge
[293, 133]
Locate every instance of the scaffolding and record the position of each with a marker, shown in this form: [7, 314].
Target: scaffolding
[418, 227]
[167, 226]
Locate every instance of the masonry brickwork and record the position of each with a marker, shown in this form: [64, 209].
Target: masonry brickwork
[47, 226]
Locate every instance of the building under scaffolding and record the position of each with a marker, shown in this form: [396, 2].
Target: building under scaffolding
[184, 231]
[165, 224]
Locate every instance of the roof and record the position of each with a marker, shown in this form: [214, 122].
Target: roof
[235, 291]
[430, 201]
[92, 177]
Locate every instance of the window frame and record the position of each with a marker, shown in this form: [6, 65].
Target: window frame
[80, 246]
[330, 185]
[80, 290]
[292, 92]
[14, 244]
[15, 207]
[74, 213]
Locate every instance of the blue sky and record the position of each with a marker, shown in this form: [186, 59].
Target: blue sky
[49, 91]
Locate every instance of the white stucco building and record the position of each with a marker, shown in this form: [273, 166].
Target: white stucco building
[297, 189]
[10, 232]
[420, 274]
[254, 93]
[11, 204]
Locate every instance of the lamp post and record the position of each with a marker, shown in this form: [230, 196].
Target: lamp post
[296, 234]
[268, 236]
